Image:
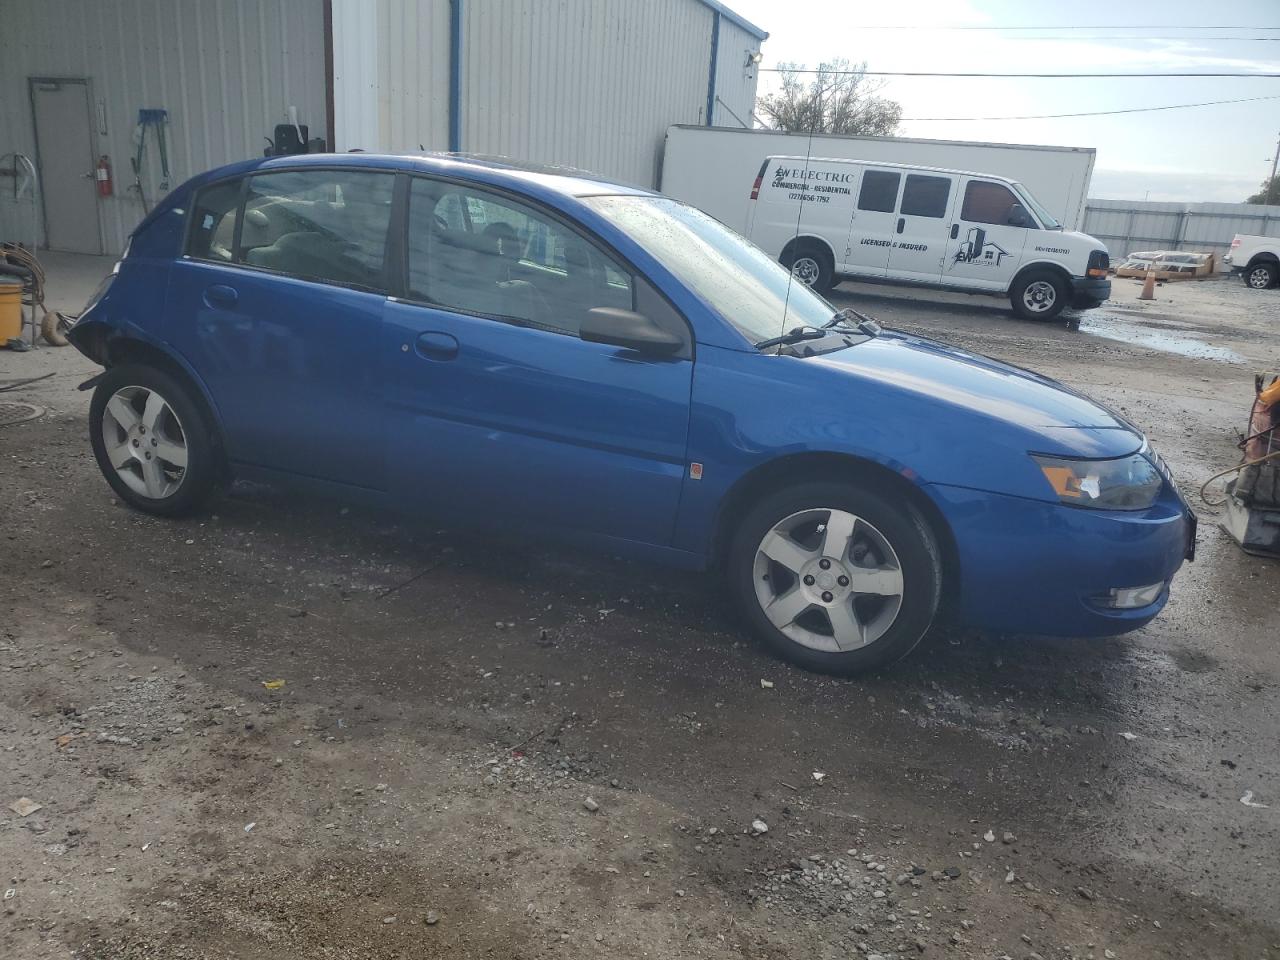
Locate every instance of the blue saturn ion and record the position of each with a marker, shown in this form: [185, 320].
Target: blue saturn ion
[537, 350]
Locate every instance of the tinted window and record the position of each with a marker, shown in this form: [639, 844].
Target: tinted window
[319, 225]
[879, 191]
[213, 227]
[482, 253]
[925, 196]
[986, 202]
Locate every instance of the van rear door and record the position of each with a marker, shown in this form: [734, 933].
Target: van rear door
[920, 230]
[988, 231]
[871, 231]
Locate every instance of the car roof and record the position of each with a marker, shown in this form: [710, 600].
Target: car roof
[500, 171]
[896, 166]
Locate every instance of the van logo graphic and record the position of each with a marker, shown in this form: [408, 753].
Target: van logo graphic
[978, 249]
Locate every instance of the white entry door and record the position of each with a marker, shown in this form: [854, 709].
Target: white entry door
[64, 153]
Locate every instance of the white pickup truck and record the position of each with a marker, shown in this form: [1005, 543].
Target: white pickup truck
[1256, 259]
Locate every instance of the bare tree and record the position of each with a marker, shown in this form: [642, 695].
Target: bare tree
[838, 98]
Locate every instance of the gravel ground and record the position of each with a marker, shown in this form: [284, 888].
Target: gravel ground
[555, 755]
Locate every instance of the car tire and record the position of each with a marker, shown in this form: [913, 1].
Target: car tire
[1260, 276]
[812, 266]
[1039, 295]
[152, 441]
[845, 606]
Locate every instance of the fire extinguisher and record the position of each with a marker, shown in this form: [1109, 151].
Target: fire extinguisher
[102, 174]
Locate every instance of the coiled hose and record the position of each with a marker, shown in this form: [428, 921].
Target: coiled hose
[23, 263]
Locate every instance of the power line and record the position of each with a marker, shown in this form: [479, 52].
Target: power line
[1104, 26]
[1144, 39]
[1047, 76]
[1097, 113]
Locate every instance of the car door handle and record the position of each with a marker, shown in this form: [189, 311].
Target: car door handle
[220, 295]
[435, 345]
[902, 222]
[955, 230]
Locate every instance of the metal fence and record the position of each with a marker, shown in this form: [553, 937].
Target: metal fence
[1126, 226]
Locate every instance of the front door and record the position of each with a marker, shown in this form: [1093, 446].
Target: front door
[497, 410]
[989, 231]
[871, 230]
[920, 233]
[64, 150]
[278, 306]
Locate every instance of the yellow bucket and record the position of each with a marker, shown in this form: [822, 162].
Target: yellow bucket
[10, 309]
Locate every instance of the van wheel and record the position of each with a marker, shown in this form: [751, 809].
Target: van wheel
[151, 441]
[1039, 295]
[835, 577]
[811, 266]
[1260, 276]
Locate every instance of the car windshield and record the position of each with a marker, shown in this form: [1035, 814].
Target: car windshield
[738, 279]
[1044, 216]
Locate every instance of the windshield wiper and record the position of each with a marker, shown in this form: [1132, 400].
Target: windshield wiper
[868, 326]
[795, 336]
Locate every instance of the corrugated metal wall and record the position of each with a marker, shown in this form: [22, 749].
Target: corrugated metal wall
[592, 83]
[1126, 226]
[588, 83]
[224, 69]
[735, 81]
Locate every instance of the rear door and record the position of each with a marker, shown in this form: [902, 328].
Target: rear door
[278, 306]
[804, 198]
[871, 232]
[920, 230]
[988, 234]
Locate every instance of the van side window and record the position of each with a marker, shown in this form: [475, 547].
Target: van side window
[879, 191]
[986, 202]
[925, 196]
[328, 225]
[213, 227]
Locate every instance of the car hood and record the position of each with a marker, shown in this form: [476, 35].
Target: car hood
[1062, 421]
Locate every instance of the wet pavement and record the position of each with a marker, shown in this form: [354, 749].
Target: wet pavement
[450, 702]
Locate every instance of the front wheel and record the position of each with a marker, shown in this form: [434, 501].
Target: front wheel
[1261, 276]
[1039, 296]
[151, 441]
[834, 577]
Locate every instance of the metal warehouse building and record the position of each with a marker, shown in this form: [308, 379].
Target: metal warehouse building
[589, 83]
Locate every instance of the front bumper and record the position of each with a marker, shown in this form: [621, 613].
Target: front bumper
[1027, 566]
[1089, 291]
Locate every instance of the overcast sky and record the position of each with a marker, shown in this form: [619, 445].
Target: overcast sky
[1206, 153]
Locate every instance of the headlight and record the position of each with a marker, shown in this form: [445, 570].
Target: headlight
[1132, 483]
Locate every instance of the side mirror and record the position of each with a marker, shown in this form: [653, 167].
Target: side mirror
[633, 331]
[1018, 216]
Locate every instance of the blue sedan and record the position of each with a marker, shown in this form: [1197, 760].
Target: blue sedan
[536, 350]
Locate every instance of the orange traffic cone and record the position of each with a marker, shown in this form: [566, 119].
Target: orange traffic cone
[1149, 285]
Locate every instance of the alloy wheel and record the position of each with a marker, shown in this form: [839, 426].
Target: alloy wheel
[828, 580]
[144, 442]
[1260, 278]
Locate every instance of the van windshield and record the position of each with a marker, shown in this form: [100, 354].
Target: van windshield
[736, 278]
[1044, 216]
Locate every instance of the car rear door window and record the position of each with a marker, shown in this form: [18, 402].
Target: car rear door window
[879, 191]
[925, 196]
[487, 254]
[213, 222]
[327, 225]
[987, 202]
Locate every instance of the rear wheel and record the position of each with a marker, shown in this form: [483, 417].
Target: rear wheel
[151, 440]
[810, 265]
[835, 577]
[1039, 295]
[1260, 276]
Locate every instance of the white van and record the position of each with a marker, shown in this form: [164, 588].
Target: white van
[831, 219]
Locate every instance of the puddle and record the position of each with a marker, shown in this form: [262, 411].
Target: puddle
[1113, 329]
